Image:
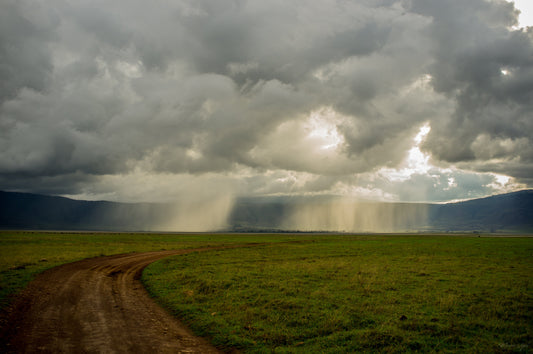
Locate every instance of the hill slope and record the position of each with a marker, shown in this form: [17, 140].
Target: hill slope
[33, 211]
[512, 212]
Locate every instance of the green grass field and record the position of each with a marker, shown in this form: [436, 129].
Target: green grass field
[356, 294]
[319, 293]
[23, 254]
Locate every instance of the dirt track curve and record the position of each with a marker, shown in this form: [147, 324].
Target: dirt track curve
[96, 305]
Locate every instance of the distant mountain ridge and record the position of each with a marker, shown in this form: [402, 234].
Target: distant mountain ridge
[511, 212]
[35, 211]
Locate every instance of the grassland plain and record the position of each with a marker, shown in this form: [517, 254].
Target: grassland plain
[339, 294]
[23, 254]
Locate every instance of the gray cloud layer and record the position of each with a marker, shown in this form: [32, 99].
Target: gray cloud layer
[95, 89]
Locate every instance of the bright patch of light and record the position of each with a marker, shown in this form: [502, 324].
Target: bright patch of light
[444, 179]
[501, 179]
[504, 72]
[451, 182]
[322, 126]
[193, 154]
[526, 12]
[417, 162]
[504, 184]
[422, 134]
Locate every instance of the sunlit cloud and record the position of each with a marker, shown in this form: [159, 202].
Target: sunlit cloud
[322, 125]
[416, 162]
[526, 13]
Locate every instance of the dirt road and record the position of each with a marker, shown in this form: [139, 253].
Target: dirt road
[97, 305]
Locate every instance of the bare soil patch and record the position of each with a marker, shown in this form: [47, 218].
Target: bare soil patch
[96, 305]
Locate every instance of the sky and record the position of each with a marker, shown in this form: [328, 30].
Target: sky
[409, 100]
[525, 18]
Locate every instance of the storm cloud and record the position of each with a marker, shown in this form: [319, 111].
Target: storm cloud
[138, 101]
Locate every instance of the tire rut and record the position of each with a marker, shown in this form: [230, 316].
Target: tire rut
[97, 305]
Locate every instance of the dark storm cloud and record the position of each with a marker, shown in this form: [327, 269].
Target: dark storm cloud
[97, 88]
[488, 70]
[24, 57]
